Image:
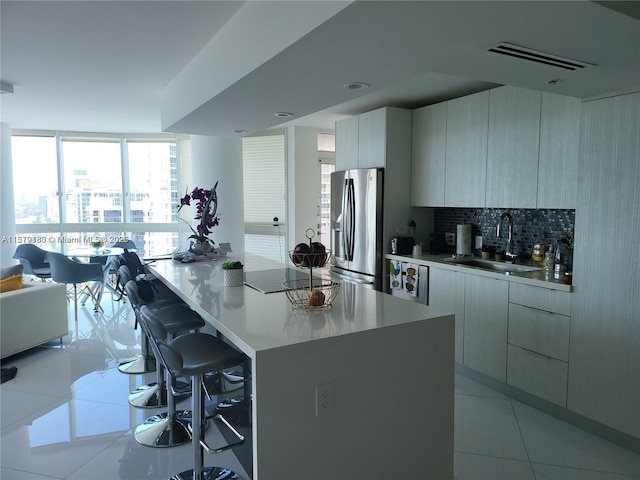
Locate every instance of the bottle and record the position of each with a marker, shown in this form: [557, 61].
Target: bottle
[549, 259]
[412, 230]
[561, 261]
[537, 254]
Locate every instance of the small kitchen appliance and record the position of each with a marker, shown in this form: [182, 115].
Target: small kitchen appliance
[404, 245]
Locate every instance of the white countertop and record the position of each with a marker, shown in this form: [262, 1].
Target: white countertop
[536, 278]
[255, 321]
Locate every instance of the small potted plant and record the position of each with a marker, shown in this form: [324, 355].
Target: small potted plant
[233, 273]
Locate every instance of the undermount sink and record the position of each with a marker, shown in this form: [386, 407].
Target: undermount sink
[495, 266]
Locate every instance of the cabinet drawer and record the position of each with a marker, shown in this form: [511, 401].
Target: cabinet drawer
[536, 374]
[541, 298]
[540, 331]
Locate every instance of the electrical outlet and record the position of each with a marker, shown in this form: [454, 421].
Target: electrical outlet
[450, 238]
[479, 241]
[324, 399]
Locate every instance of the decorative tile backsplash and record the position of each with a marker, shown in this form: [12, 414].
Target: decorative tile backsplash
[530, 226]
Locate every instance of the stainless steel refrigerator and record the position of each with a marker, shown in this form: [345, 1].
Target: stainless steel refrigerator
[356, 225]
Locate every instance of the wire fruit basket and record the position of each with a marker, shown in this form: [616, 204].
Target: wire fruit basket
[314, 292]
[319, 295]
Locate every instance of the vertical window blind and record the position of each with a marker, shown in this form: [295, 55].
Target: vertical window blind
[264, 195]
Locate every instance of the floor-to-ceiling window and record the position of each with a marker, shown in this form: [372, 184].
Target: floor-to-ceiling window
[72, 188]
[327, 157]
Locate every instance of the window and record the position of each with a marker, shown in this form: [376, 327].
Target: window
[92, 173]
[327, 157]
[112, 186]
[35, 179]
[325, 200]
[152, 180]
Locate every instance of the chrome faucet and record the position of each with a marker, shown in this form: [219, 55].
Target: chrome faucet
[511, 257]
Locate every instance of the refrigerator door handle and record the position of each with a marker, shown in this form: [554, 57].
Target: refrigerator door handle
[345, 217]
[352, 226]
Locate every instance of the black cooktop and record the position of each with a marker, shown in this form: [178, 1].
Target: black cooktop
[270, 281]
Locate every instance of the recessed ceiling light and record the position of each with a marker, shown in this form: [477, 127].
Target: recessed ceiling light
[240, 132]
[356, 85]
[283, 114]
[553, 82]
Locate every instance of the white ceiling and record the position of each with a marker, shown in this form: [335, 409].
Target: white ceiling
[212, 67]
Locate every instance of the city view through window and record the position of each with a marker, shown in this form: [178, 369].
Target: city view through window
[109, 189]
[70, 191]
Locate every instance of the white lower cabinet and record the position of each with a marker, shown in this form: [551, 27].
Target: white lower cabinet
[543, 332]
[485, 325]
[446, 293]
[538, 342]
[515, 333]
[537, 374]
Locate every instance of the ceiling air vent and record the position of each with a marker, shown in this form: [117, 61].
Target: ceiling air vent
[524, 53]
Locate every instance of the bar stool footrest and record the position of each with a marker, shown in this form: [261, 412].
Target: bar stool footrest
[209, 473]
[138, 365]
[229, 427]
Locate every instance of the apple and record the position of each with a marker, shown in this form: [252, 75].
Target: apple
[300, 252]
[320, 257]
[316, 298]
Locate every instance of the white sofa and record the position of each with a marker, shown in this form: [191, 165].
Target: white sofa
[31, 316]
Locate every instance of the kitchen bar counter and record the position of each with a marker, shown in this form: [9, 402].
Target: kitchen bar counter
[388, 365]
[536, 278]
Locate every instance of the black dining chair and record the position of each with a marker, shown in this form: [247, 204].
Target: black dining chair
[33, 259]
[71, 272]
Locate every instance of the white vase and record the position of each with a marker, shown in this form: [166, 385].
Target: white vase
[234, 277]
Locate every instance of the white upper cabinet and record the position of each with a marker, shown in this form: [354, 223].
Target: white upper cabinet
[371, 139]
[513, 144]
[347, 143]
[466, 150]
[429, 141]
[372, 136]
[559, 147]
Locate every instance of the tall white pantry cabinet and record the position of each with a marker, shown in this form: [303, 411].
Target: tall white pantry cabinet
[604, 373]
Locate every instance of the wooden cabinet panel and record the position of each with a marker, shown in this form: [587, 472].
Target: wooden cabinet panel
[541, 298]
[543, 332]
[466, 151]
[559, 147]
[347, 143]
[428, 155]
[485, 325]
[534, 373]
[512, 148]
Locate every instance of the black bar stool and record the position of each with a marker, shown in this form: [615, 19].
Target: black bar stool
[177, 318]
[194, 355]
[143, 363]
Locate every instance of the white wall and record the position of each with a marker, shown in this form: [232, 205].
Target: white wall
[220, 159]
[7, 207]
[303, 188]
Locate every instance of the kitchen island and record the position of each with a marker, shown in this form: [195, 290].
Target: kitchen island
[387, 366]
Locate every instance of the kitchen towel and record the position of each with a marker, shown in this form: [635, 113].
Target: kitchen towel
[411, 280]
[395, 275]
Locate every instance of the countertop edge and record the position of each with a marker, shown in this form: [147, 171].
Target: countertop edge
[440, 262]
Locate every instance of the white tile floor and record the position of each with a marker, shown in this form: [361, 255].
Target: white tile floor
[66, 416]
